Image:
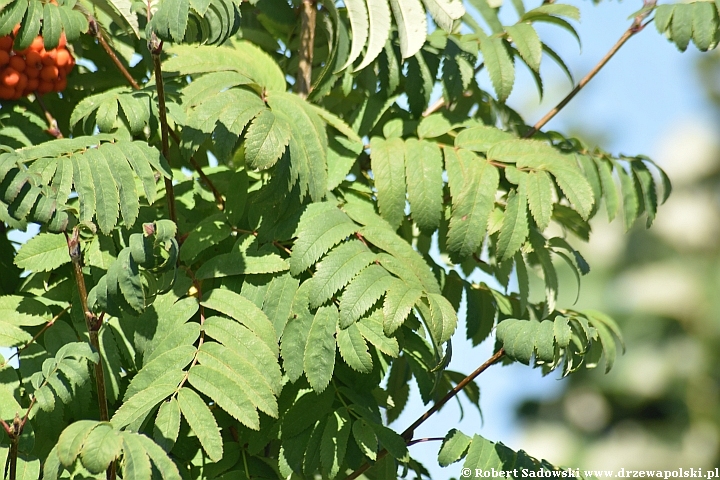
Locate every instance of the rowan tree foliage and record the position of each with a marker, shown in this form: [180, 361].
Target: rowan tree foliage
[257, 224]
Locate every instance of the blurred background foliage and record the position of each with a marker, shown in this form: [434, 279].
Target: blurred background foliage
[659, 407]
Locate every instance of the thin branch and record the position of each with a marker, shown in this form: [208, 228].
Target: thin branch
[53, 128]
[636, 27]
[155, 46]
[93, 324]
[408, 433]
[98, 34]
[308, 17]
[423, 440]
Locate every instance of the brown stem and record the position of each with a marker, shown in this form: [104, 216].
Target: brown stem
[53, 128]
[634, 28]
[93, 324]
[408, 433]
[308, 17]
[155, 45]
[97, 33]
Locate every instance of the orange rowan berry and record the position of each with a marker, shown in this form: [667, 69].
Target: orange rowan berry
[18, 63]
[49, 57]
[32, 85]
[45, 87]
[15, 30]
[63, 41]
[10, 77]
[4, 58]
[49, 72]
[6, 43]
[6, 92]
[32, 72]
[33, 60]
[22, 82]
[63, 58]
[37, 44]
[61, 84]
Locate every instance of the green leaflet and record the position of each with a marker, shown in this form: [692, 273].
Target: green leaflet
[423, 172]
[371, 327]
[167, 424]
[42, 253]
[358, 16]
[527, 42]
[101, 447]
[246, 58]
[321, 226]
[171, 19]
[136, 408]
[136, 463]
[514, 228]
[631, 205]
[388, 166]
[471, 208]
[319, 358]
[353, 349]
[210, 231]
[681, 26]
[445, 12]
[486, 455]
[610, 194]
[266, 140]
[244, 258]
[443, 319]
[454, 447]
[481, 138]
[379, 25]
[412, 25]
[499, 66]
[362, 293]
[399, 302]
[705, 26]
[202, 422]
[277, 303]
[540, 197]
[340, 266]
[550, 276]
[365, 438]
[334, 440]
[294, 340]
[167, 468]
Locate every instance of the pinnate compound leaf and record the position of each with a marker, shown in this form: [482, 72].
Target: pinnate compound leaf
[202, 422]
[43, 253]
[319, 358]
[514, 228]
[362, 293]
[353, 349]
[412, 25]
[454, 447]
[388, 166]
[321, 226]
[423, 171]
[499, 66]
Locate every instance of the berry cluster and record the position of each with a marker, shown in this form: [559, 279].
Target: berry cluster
[34, 69]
